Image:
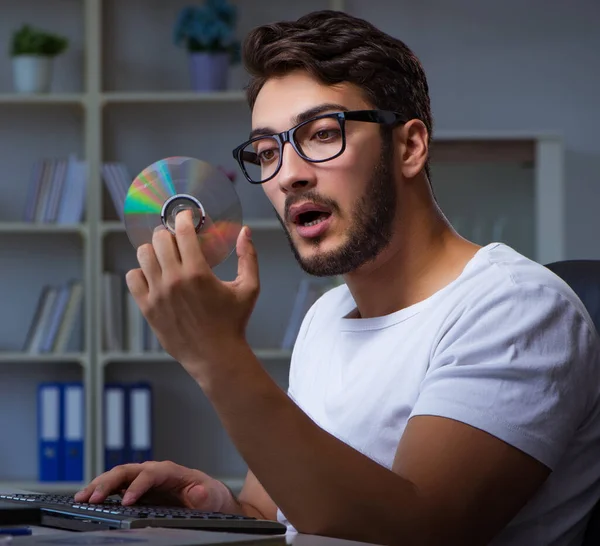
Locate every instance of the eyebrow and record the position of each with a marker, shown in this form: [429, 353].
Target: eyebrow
[302, 116]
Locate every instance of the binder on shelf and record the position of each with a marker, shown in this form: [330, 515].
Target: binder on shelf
[140, 422]
[74, 418]
[50, 424]
[127, 423]
[115, 425]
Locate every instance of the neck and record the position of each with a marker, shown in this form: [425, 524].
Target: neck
[424, 255]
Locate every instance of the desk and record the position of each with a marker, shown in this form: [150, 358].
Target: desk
[292, 539]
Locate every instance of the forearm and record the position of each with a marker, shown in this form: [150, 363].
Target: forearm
[322, 485]
[233, 505]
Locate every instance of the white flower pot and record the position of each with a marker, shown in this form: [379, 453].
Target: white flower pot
[32, 73]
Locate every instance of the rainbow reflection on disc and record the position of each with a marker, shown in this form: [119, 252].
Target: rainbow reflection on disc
[174, 184]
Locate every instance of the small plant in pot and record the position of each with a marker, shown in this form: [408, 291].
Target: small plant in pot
[33, 51]
[207, 32]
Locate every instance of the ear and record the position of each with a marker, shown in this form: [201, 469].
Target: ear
[414, 147]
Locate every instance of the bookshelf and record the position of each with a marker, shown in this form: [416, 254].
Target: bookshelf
[134, 114]
[171, 97]
[118, 98]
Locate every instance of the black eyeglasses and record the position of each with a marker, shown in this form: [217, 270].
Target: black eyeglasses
[318, 139]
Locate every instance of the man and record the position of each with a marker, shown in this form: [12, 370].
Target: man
[446, 394]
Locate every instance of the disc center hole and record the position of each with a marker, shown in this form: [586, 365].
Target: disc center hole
[180, 203]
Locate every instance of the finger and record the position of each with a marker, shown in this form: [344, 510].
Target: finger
[149, 265]
[84, 494]
[188, 243]
[248, 274]
[196, 497]
[165, 248]
[137, 284]
[141, 484]
[108, 483]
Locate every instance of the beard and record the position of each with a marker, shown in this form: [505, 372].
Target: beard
[370, 232]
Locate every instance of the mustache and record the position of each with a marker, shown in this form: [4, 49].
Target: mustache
[312, 197]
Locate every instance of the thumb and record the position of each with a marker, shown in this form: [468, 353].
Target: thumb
[196, 497]
[247, 277]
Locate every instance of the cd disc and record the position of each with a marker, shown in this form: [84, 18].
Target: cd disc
[175, 184]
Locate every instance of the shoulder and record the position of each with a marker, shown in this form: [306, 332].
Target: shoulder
[517, 318]
[501, 276]
[516, 355]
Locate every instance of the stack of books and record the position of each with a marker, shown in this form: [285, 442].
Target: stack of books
[57, 191]
[124, 327]
[56, 314]
[117, 180]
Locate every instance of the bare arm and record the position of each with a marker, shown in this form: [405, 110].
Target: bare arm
[253, 500]
[448, 480]
[445, 473]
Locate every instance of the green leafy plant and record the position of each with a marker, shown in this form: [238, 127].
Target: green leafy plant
[29, 40]
[208, 28]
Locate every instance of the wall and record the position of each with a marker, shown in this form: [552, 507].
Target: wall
[491, 66]
[514, 66]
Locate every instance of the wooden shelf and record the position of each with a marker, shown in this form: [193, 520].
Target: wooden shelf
[41, 228]
[487, 146]
[263, 224]
[133, 358]
[118, 97]
[43, 99]
[256, 224]
[40, 487]
[37, 358]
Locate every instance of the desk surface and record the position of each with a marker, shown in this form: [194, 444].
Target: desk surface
[292, 539]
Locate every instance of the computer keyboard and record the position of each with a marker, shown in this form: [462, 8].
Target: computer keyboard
[64, 512]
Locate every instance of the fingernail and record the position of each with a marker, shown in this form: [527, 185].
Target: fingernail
[96, 495]
[128, 498]
[248, 233]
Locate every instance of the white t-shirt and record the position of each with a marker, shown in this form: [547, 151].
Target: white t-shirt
[507, 347]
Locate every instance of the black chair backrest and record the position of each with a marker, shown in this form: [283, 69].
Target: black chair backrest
[583, 276]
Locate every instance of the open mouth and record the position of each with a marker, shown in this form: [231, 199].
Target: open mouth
[311, 218]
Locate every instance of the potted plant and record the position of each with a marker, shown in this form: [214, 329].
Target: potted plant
[208, 34]
[33, 51]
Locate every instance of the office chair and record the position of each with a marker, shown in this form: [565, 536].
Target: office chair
[583, 276]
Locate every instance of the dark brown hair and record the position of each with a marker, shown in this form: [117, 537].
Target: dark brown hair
[336, 47]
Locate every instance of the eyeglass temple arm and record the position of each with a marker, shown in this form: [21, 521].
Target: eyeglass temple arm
[375, 116]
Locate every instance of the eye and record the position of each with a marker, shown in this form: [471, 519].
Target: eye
[325, 135]
[267, 155]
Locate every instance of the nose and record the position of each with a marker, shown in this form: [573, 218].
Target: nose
[295, 173]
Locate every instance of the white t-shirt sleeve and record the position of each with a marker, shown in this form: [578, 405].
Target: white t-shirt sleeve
[516, 364]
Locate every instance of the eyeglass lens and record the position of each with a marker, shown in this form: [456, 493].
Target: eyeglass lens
[317, 140]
